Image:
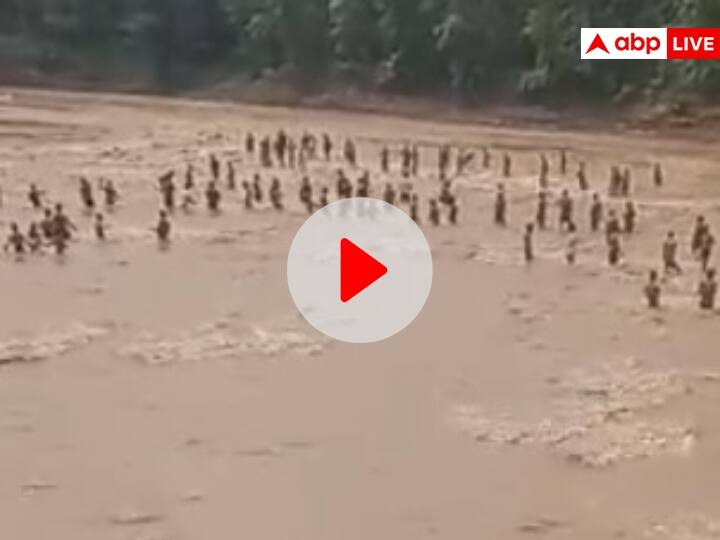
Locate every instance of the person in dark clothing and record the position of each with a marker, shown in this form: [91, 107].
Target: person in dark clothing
[16, 241]
[669, 254]
[653, 291]
[707, 290]
[630, 217]
[596, 213]
[213, 197]
[501, 207]
[528, 248]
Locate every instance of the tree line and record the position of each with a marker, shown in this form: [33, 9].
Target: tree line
[465, 47]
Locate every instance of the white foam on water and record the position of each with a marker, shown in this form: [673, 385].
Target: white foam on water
[224, 339]
[48, 345]
[684, 527]
[599, 418]
[128, 518]
[139, 235]
[284, 339]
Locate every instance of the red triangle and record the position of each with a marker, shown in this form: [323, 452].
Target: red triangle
[597, 43]
[358, 270]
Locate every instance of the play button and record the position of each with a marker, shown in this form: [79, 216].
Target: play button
[360, 270]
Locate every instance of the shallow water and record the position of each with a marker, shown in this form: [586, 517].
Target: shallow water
[176, 395]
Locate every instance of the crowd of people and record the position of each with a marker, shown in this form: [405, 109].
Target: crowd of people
[55, 229]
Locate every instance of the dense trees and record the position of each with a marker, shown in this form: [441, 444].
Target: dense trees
[467, 47]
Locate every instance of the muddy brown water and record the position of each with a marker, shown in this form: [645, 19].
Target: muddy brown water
[177, 395]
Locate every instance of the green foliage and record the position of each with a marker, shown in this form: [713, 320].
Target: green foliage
[694, 77]
[357, 32]
[467, 47]
[478, 40]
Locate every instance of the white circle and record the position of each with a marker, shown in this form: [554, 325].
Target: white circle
[385, 307]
